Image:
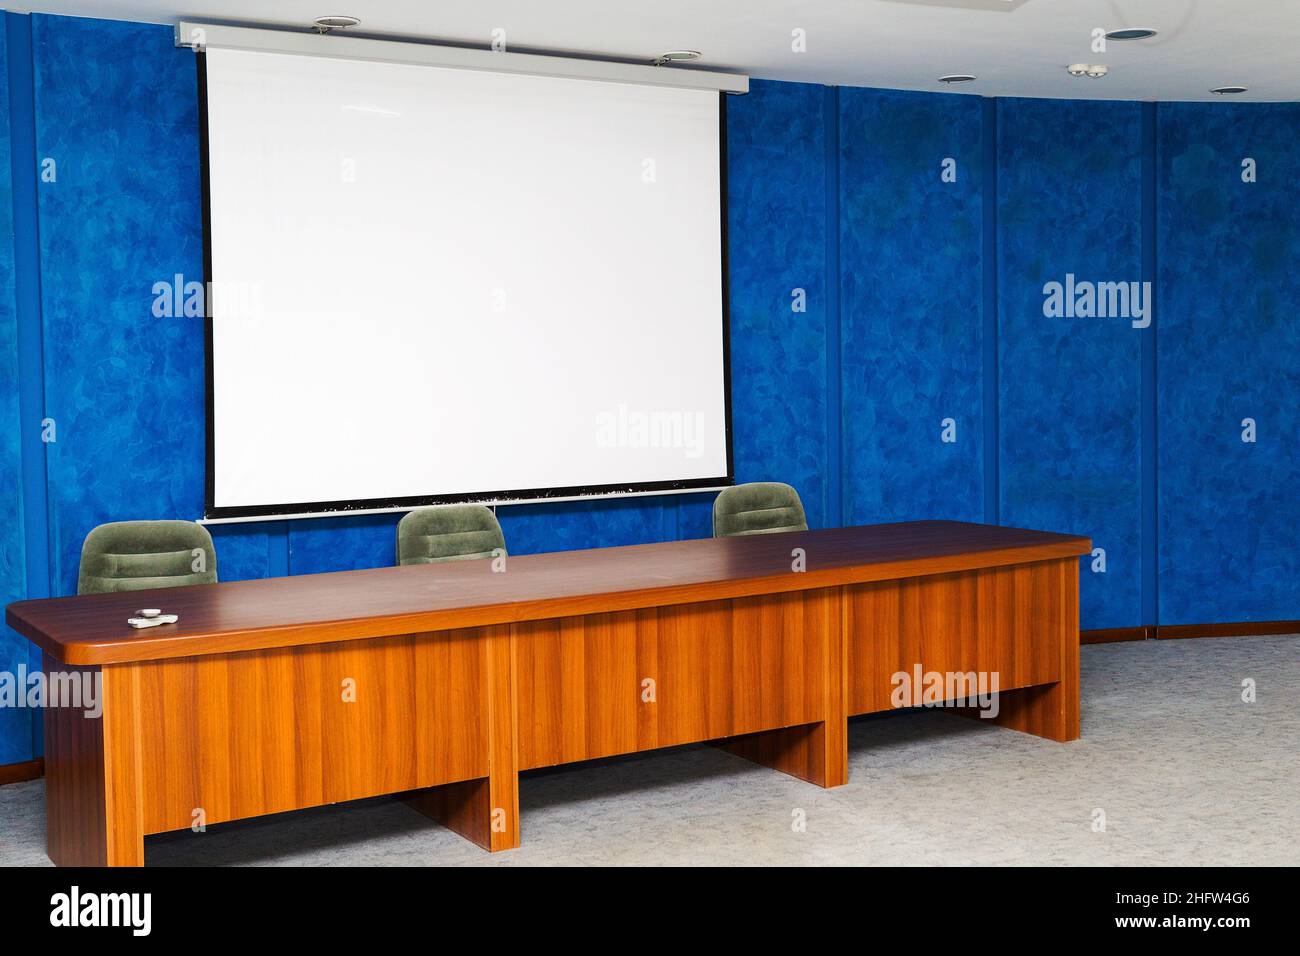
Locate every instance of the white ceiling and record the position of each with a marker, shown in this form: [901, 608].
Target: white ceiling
[1015, 47]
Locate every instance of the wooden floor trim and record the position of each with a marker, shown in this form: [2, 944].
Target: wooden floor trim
[1168, 632]
[1112, 635]
[18, 772]
[1242, 629]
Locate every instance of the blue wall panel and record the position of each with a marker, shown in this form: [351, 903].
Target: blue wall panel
[695, 517]
[1069, 185]
[342, 544]
[777, 231]
[571, 526]
[15, 725]
[1229, 349]
[116, 111]
[910, 294]
[242, 551]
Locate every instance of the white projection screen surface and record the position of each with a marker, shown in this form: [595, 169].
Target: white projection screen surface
[430, 284]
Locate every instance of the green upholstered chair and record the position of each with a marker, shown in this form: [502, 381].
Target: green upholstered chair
[761, 507]
[448, 533]
[135, 555]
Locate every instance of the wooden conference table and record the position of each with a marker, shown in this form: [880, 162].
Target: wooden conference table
[442, 682]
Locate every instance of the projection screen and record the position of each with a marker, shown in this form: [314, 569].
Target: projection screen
[431, 284]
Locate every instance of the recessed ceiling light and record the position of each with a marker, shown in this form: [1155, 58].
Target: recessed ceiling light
[1228, 90]
[326, 24]
[677, 56]
[956, 78]
[1137, 33]
[1093, 70]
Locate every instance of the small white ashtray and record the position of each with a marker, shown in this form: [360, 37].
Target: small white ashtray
[148, 612]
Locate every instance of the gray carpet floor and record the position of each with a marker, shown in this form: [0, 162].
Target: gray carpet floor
[1184, 771]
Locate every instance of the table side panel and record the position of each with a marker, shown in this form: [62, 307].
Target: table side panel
[76, 821]
[1009, 620]
[719, 669]
[242, 735]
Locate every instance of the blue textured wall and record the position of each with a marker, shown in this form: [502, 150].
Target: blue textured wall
[910, 305]
[246, 551]
[1069, 184]
[15, 725]
[777, 229]
[342, 544]
[571, 526]
[1229, 349]
[116, 110]
[837, 193]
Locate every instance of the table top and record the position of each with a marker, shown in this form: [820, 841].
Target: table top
[379, 602]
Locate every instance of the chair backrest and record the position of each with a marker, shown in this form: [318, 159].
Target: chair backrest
[135, 555]
[448, 533]
[760, 507]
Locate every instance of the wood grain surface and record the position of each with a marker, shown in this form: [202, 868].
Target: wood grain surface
[379, 602]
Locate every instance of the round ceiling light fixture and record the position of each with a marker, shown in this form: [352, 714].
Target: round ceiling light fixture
[677, 56]
[326, 24]
[956, 78]
[1228, 90]
[1135, 33]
